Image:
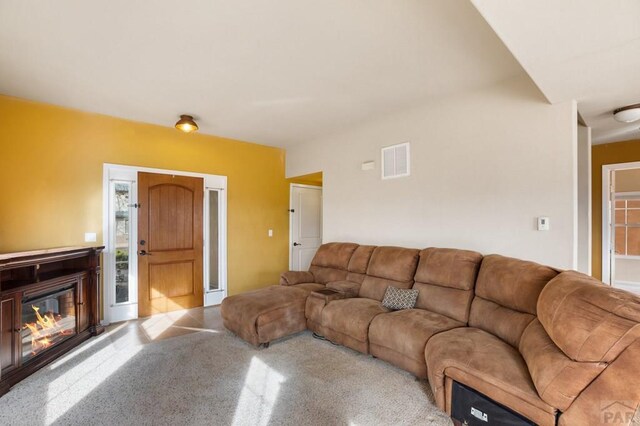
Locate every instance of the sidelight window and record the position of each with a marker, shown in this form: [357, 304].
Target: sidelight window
[122, 207]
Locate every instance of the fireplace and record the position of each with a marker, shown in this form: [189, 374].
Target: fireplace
[49, 304]
[47, 321]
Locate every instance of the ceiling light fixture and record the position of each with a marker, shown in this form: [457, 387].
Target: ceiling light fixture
[627, 114]
[186, 124]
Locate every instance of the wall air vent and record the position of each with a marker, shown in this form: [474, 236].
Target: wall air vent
[395, 161]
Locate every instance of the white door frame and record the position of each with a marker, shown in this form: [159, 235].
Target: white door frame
[291, 186]
[115, 172]
[607, 238]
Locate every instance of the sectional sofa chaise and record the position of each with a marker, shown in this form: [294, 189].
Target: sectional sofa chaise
[555, 347]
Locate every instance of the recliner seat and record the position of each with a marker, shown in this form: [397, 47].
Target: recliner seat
[346, 321]
[444, 279]
[485, 355]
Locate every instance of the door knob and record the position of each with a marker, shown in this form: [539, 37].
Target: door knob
[144, 253]
[296, 244]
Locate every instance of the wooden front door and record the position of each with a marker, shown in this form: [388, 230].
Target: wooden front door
[169, 243]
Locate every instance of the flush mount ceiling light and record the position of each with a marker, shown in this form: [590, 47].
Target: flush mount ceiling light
[186, 124]
[627, 114]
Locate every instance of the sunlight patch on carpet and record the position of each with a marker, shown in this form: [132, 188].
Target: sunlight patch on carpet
[69, 389]
[259, 394]
[83, 348]
[158, 324]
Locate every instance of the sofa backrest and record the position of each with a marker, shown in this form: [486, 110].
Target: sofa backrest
[582, 327]
[331, 261]
[587, 320]
[389, 266]
[506, 296]
[359, 263]
[445, 280]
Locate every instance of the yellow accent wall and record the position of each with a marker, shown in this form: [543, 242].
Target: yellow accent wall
[611, 153]
[310, 179]
[51, 163]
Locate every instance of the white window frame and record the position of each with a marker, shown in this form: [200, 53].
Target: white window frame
[214, 297]
[608, 242]
[114, 172]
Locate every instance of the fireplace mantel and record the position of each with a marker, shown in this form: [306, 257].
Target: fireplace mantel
[69, 277]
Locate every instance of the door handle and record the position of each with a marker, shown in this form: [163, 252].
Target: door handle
[144, 253]
[296, 244]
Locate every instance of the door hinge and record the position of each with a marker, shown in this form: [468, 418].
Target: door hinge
[135, 206]
[292, 210]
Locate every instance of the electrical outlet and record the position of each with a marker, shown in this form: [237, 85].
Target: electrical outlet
[90, 237]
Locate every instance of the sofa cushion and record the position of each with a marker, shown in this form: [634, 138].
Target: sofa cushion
[613, 398]
[399, 298]
[557, 378]
[405, 333]
[334, 255]
[587, 320]
[358, 264]
[351, 317]
[506, 296]
[445, 280]
[393, 266]
[331, 261]
[487, 364]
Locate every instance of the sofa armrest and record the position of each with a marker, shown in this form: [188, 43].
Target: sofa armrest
[348, 288]
[296, 277]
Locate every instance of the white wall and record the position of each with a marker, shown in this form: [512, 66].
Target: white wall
[584, 199]
[484, 165]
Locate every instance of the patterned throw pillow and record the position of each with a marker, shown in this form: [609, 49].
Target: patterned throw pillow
[397, 298]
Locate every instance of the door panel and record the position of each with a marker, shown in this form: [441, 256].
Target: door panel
[170, 225]
[306, 229]
[168, 279]
[172, 212]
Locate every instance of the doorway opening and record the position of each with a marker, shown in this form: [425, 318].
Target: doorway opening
[305, 220]
[621, 225]
[189, 212]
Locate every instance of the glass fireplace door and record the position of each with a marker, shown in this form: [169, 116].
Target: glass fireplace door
[47, 321]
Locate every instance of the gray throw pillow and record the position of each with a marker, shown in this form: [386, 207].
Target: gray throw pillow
[398, 298]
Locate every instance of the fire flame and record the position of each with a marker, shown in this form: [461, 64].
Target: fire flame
[42, 330]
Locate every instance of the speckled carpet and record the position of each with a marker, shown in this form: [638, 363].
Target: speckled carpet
[212, 377]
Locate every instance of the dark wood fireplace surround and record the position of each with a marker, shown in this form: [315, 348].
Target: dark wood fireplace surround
[29, 274]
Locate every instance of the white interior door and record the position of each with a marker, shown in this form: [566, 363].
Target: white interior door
[306, 225]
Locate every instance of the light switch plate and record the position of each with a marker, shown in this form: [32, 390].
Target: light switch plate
[90, 237]
[543, 223]
[271, 232]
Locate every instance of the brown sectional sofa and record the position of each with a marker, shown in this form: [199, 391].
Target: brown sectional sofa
[556, 347]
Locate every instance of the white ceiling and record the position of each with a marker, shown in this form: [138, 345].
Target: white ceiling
[577, 49]
[272, 72]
